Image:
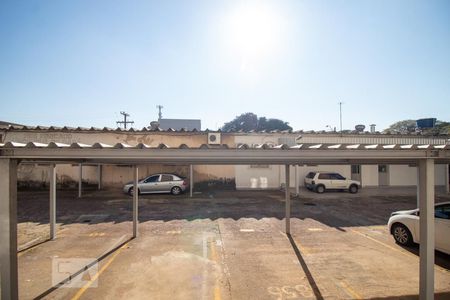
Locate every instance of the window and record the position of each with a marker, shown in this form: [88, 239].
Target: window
[442, 211]
[165, 177]
[152, 179]
[325, 176]
[337, 176]
[311, 175]
[356, 169]
[382, 169]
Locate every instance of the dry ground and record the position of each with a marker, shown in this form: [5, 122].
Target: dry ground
[223, 245]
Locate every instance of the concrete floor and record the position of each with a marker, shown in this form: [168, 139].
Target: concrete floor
[223, 245]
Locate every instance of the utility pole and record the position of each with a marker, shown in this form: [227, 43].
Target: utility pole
[340, 114]
[159, 107]
[124, 122]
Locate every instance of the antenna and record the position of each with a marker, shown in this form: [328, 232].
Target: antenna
[159, 107]
[340, 114]
[124, 122]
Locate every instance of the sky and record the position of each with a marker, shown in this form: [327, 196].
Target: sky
[79, 63]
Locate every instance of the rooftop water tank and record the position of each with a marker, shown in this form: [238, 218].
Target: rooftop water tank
[426, 123]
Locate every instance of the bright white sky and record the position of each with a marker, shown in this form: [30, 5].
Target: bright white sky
[79, 63]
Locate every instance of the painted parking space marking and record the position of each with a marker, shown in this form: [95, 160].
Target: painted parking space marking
[396, 249]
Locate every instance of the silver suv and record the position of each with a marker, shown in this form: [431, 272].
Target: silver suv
[322, 181]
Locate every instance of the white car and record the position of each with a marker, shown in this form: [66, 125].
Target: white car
[404, 226]
[322, 181]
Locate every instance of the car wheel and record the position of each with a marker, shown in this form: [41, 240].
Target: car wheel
[353, 189]
[402, 235]
[131, 191]
[176, 190]
[320, 189]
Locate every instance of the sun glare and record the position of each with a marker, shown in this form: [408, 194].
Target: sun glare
[253, 32]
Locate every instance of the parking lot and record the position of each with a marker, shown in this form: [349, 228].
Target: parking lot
[223, 245]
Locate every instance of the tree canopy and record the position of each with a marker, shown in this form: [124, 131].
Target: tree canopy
[407, 126]
[250, 121]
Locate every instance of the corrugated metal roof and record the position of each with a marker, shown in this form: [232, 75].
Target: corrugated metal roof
[99, 145]
[157, 129]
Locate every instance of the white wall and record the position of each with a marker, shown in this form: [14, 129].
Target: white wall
[248, 177]
[402, 175]
[439, 174]
[369, 175]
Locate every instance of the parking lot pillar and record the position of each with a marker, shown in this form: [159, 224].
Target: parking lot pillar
[418, 186]
[99, 176]
[297, 187]
[52, 201]
[288, 200]
[8, 229]
[426, 206]
[447, 183]
[80, 179]
[191, 180]
[135, 200]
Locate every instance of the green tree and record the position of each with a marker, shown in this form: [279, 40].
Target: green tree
[407, 126]
[250, 121]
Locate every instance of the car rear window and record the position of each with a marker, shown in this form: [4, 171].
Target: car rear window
[311, 175]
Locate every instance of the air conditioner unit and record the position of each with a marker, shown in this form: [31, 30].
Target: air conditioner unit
[214, 138]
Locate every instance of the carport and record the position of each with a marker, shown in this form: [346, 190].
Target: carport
[12, 154]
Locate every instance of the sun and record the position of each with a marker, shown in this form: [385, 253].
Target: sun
[253, 31]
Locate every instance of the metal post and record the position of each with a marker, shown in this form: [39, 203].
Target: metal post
[418, 186]
[446, 177]
[80, 179]
[99, 176]
[52, 201]
[135, 200]
[297, 186]
[8, 229]
[288, 201]
[191, 180]
[426, 206]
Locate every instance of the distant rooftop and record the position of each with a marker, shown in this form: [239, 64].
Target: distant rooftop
[178, 124]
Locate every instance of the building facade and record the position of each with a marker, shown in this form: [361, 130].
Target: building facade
[242, 176]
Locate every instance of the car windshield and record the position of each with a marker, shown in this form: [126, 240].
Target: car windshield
[311, 175]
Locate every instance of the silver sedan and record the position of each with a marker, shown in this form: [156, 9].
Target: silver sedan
[159, 183]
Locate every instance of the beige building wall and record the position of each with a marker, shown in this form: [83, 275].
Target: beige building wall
[118, 175]
[369, 175]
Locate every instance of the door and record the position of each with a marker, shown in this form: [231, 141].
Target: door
[338, 181]
[166, 183]
[442, 227]
[150, 185]
[356, 172]
[325, 179]
[383, 175]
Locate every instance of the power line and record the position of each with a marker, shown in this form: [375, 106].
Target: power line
[124, 122]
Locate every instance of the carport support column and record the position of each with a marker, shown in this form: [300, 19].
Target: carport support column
[99, 176]
[297, 185]
[191, 180]
[80, 179]
[288, 200]
[426, 206]
[447, 184]
[52, 201]
[135, 200]
[8, 229]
